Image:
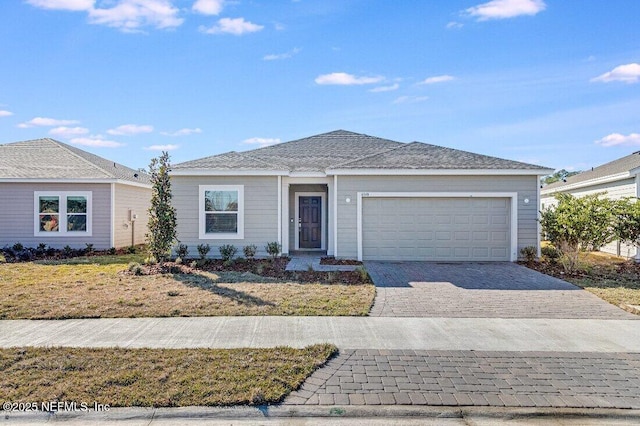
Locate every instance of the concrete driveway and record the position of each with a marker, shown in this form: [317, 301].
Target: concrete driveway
[480, 290]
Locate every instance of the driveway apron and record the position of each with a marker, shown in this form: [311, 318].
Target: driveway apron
[480, 290]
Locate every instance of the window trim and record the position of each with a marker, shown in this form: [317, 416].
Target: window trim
[202, 223]
[62, 214]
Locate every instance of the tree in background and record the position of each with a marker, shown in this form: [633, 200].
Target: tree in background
[557, 176]
[162, 215]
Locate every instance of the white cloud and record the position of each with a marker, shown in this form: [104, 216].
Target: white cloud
[5, 113]
[97, 141]
[208, 7]
[182, 132]
[126, 15]
[344, 79]
[617, 139]
[437, 79]
[130, 129]
[168, 147]
[46, 122]
[379, 89]
[261, 142]
[235, 26]
[454, 25]
[286, 55]
[131, 15]
[410, 99]
[65, 131]
[503, 9]
[73, 5]
[629, 73]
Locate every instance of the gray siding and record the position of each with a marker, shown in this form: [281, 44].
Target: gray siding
[615, 191]
[17, 215]
[260, 211]
[349, 186]
[127, 198]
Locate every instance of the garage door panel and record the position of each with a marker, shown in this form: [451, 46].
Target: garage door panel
[463, 229]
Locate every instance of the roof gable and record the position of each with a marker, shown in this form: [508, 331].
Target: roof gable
[50, 159]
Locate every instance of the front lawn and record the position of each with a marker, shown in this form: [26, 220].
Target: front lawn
[98, 287]
[611, 278]
[156, 377]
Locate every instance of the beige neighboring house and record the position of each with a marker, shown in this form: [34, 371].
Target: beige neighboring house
[617, 179]
[60, 195]
[362, 197]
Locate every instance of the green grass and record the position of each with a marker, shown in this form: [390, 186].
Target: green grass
[156, 377]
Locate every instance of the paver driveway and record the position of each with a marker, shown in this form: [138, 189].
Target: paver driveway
[480, 290]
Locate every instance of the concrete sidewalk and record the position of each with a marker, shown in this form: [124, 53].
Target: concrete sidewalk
[485, 334]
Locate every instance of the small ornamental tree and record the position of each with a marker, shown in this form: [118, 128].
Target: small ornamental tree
[578, 224]
[162, 215]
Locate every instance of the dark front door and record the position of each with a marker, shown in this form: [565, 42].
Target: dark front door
[310, 222]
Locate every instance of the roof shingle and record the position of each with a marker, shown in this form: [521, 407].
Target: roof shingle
[621, 165]
[50, 159]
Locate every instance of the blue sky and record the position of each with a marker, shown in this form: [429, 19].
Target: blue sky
[552, 82]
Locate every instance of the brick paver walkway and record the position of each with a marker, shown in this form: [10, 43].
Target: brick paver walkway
[480, 290]
[464, 378]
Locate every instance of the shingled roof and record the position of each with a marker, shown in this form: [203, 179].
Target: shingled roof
[50, 159]
[340, 150]
[617, 167]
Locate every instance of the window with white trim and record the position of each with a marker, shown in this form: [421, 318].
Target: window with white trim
[58, 213]
[221, 211]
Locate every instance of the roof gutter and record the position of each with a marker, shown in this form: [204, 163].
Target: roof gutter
[214, 172]
[589, 182]
[440, 172]
[83, 181]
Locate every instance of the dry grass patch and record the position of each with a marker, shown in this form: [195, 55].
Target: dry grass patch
[100, 290]
[156, 377]
[611, 278]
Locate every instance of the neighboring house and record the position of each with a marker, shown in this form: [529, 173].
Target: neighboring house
[618, 179]
[60, 195]
[357, 196]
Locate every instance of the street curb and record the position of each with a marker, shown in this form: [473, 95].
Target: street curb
[344, 411]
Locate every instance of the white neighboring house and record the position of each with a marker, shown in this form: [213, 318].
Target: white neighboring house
[618, 179]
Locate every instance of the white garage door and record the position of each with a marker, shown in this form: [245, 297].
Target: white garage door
[440, 229]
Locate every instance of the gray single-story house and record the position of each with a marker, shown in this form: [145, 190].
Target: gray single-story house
[617, 179]
[361, 197]
[59, 195]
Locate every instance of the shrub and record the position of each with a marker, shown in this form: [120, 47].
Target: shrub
[529, 253]
[364, 275]
[42, 247]
[17, 247]
[67, 250]
[131, 250]
[203, 250]
[228, 251]
[250, 251]
[89, 248]
[178, 260]
[273, 249]
[182, 250]
[135, 268]
[150, 260]
[550, 252]
[111, 251]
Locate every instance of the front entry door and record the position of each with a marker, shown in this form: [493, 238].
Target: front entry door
[310, 222]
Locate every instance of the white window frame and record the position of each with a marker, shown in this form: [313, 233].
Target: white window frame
[202, 223]
[62, 214]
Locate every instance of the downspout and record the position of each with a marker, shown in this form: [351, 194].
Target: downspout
[112, 220]
[335, 216]
[538, 225]
[280, 210]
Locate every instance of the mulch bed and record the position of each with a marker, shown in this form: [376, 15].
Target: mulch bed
[271, 268]
[609, 271]
[339, 262]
